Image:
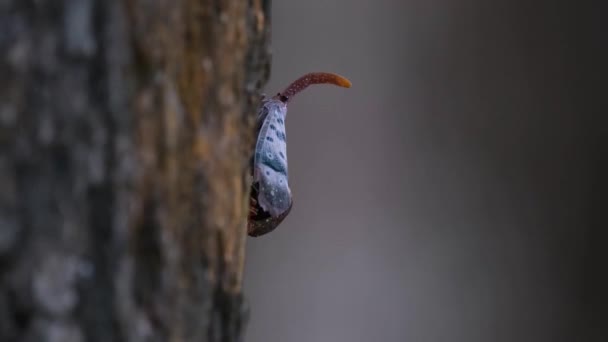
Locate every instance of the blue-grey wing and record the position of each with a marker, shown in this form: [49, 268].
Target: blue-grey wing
[270, 160]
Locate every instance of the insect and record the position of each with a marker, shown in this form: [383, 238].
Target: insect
[270, 199]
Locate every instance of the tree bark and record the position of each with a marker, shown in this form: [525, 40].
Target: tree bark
[126, 130]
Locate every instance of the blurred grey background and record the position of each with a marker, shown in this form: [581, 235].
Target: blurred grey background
[456, 193]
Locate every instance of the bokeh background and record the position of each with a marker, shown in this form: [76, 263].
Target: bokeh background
[456, 193]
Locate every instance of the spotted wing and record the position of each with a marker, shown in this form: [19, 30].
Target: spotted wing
[270, 161]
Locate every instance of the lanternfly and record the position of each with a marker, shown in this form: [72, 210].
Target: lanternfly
[270, 198]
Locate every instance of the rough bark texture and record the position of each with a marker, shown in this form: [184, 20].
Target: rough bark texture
[126, 129]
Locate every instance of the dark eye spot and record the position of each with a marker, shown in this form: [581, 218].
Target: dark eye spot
[273, 127]
[283, 98]
[269, 139]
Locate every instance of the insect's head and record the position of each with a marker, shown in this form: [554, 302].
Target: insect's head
[308, 79]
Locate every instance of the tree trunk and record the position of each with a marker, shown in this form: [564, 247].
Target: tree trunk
[126, 129]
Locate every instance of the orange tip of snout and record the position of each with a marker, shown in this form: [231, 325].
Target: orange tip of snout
[343, 82]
